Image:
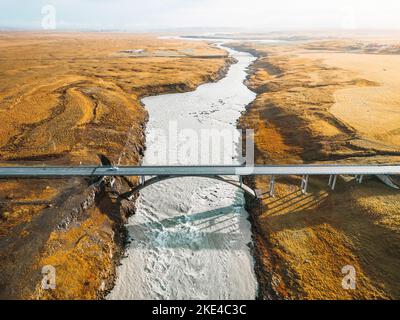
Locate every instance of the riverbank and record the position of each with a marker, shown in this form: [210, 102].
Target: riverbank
[65, 100]
[302, 242]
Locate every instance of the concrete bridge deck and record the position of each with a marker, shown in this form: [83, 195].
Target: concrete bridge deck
[270, 170]
[222, 173]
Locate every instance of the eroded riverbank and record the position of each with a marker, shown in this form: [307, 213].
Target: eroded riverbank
[87, 102]
[304, 241]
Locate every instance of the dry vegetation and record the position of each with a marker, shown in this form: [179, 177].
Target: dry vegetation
[66, 99]
[316, 103]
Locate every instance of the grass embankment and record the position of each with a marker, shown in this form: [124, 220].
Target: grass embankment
[303, 241]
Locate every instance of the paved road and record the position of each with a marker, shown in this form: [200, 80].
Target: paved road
[43, 172]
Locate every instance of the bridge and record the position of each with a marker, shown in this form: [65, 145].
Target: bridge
[221, 173]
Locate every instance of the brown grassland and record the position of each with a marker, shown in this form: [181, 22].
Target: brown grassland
[73, 98]
[326, 101]
[66, 99]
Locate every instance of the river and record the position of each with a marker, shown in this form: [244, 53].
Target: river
[190, 237]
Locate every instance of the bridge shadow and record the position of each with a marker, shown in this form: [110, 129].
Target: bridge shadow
[356, 232]
[217, 229]
[278, 199]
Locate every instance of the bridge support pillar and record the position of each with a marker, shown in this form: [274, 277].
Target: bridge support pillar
[241, 181]
[332, 181]
[360, 178]
[272, 187]
[304, 184]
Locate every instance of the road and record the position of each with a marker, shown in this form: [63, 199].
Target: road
[59, 172]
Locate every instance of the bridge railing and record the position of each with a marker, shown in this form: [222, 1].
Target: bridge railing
[305, 171]
[331, 169]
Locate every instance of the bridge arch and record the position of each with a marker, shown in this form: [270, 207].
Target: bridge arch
[157, 179]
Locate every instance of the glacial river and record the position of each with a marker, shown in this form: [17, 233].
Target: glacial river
[190, 237]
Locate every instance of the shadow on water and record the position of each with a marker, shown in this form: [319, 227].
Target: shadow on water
[216, 229]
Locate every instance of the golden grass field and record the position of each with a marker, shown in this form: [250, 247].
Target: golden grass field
[65, 99]
[68, 98]
[318, 102]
